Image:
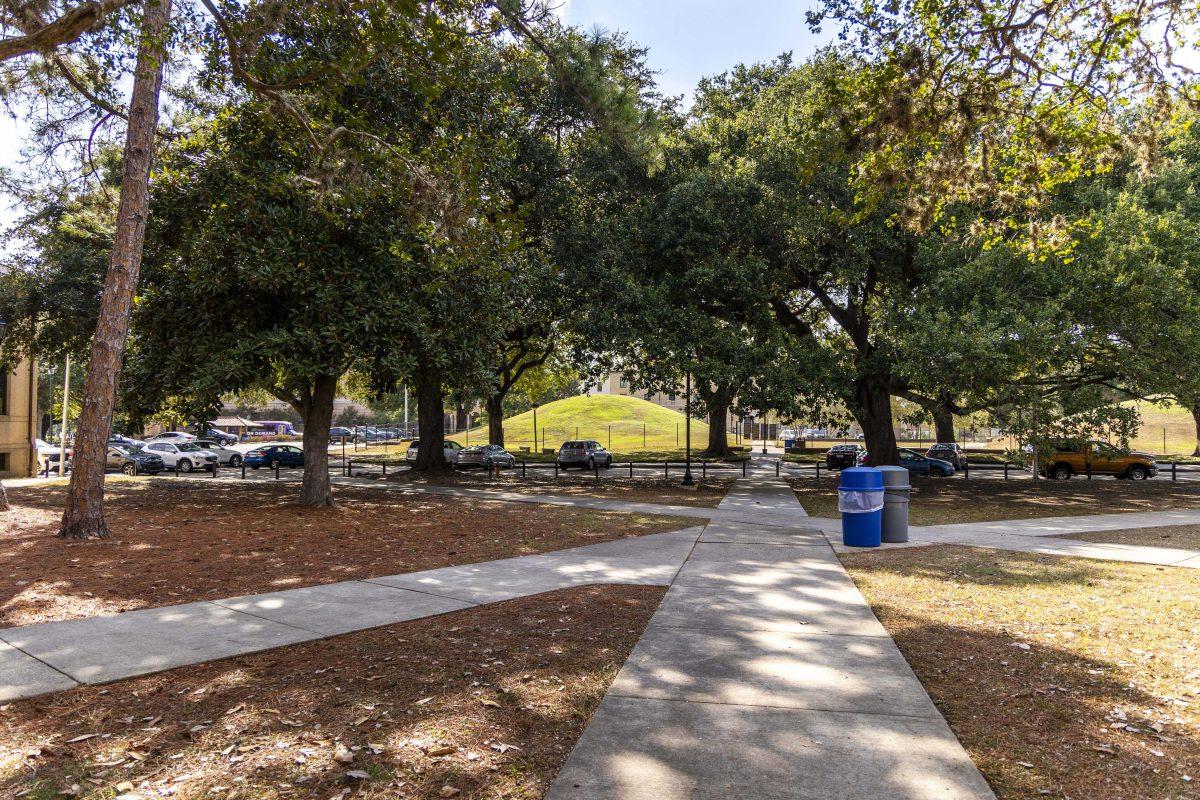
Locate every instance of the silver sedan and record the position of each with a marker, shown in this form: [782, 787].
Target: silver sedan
[485, 456]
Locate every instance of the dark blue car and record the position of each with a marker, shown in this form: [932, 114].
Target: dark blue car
[273, 455]
[918, 464]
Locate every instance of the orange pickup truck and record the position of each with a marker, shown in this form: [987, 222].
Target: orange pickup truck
[1096, 458]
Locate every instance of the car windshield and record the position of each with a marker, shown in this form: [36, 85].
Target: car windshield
[190, 447]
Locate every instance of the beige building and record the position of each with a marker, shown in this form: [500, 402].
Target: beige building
[617, 383]
[18, 420]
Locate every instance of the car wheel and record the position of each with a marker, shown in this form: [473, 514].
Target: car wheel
[235, 461]
[1138, 473]
[937, 472]
[1060, 472]
[185, 465]
[129, 469]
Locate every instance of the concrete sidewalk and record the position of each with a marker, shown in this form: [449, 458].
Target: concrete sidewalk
[51, 656]
[763, 675]
[1042, 536]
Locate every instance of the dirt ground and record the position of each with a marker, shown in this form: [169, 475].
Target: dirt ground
[1064, 678]
[176, 542]
[480, 703]
[938, 501]
[707, 493]
[1185, 537]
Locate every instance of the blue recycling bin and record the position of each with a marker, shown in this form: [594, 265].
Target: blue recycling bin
[860, 499]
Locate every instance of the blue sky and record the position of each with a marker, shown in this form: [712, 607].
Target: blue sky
[689, 39]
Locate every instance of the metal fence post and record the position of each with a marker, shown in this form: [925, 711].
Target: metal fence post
[744, 460]
[243, 470]
[1173, 475]
[967, 470]
[596, 468]
[631, 467]
[556, 469]
[276, 470]
[703, 470]
[384, 465]
[818, 470]
[1005, 470]
[522, 468]
[215, 468]
[666, 469]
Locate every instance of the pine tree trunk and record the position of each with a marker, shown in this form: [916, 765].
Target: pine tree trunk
[1196, 419]
[718, 427]
[874, 413]
[3, 498]
[84, 515]
[943, 422]
[315, 489]
[495, 412]
[431, 420]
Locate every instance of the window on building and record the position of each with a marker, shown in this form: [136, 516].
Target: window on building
[3, 393]
[624, 382]
[3, 462]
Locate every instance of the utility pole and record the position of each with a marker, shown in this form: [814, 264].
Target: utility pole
[406, 409]
[62, 439]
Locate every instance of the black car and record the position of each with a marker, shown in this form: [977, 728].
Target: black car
[337, 434]
[842, 456]
[220, 437]
[585, 453]
[133, 460]
[949, 452]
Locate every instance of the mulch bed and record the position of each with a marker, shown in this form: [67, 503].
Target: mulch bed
[707, 493]
[176, 542]
[938, 501]
[1064, 678]
[480, 703]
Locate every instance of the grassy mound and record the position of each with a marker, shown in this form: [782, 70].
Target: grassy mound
[623, 424]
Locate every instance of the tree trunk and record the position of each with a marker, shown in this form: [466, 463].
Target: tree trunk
[943, 422]
[84, 515]
[874, 413]
[3, 498]
[495, 413]
[317, 413]
[718, 426]
[1196, 419]
[431, 420]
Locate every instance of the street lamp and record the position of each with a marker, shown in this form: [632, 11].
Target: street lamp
[688, 480]
[535, 408]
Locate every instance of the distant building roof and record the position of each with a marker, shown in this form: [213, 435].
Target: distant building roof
[234, 422]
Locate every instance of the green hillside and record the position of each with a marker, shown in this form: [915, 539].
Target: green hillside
[629, 423]
[1159, 419]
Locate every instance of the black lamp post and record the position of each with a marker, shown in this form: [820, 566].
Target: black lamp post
[765, 430]
[535, 447]
[688, 480]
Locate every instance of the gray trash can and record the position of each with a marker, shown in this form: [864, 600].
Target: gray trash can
[896, 490]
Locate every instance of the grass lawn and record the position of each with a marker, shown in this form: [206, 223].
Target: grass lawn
[480, 703]
[1064, 678]
[176, 542]
[622, 424]
[1185, 537]
[939, 501]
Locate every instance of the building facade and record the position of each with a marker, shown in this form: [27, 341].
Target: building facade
[18, 420]
[617, 383]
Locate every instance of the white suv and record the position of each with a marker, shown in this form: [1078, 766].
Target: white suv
[177, 437]
[449, 450]
[184, 456]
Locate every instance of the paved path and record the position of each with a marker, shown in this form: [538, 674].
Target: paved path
[764, 675]
[1044, 535]
[51, 656]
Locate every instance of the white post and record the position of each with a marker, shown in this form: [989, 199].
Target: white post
[406, 409]
[62, 440]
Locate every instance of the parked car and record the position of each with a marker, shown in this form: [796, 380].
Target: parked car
[918, 464]
[172, 436]
[449, 449]
[225, 455]
[49, 455]
[134, 460]
[275, 455]
[118, 440]
[842, 456]
[1098, 458]
[486, 456]
[337, 434]
[585, 453]
[214, 435]
[184, 456]
[949, 452]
